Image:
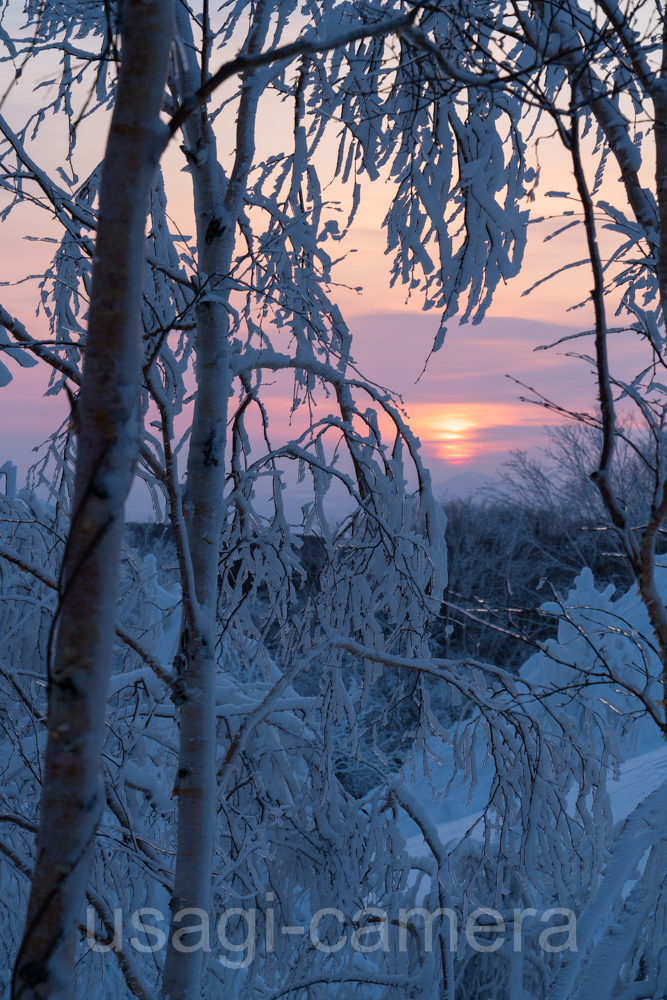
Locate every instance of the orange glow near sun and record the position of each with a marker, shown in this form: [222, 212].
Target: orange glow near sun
[453, 435]
[461, 432]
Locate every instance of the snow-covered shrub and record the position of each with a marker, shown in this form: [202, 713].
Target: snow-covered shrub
[292, 837]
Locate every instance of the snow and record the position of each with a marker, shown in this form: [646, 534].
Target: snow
[639, 777]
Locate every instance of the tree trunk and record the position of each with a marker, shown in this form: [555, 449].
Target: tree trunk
[217, 206]
[107, 450]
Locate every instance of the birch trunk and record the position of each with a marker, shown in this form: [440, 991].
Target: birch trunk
[107, 450]
[217, 206]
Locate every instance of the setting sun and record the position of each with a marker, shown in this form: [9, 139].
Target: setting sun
[462, 432]
[453, 435]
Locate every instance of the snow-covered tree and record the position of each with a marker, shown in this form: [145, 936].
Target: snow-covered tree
[273, 692]
[595, 74]
[249, 295]
[603, 73]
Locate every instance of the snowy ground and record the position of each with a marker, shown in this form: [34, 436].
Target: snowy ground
[639, 776]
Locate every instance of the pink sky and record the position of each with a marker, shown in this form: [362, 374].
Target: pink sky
[464, 409]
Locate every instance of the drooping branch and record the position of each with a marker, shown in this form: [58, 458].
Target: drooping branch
[40, 574]
[20, 334]
[304, 46]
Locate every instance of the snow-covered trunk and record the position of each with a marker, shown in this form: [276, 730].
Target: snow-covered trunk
[646, 575]
[204, 513]
[660, 108]
[107, 449]
[641, 557]
[217, 206]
